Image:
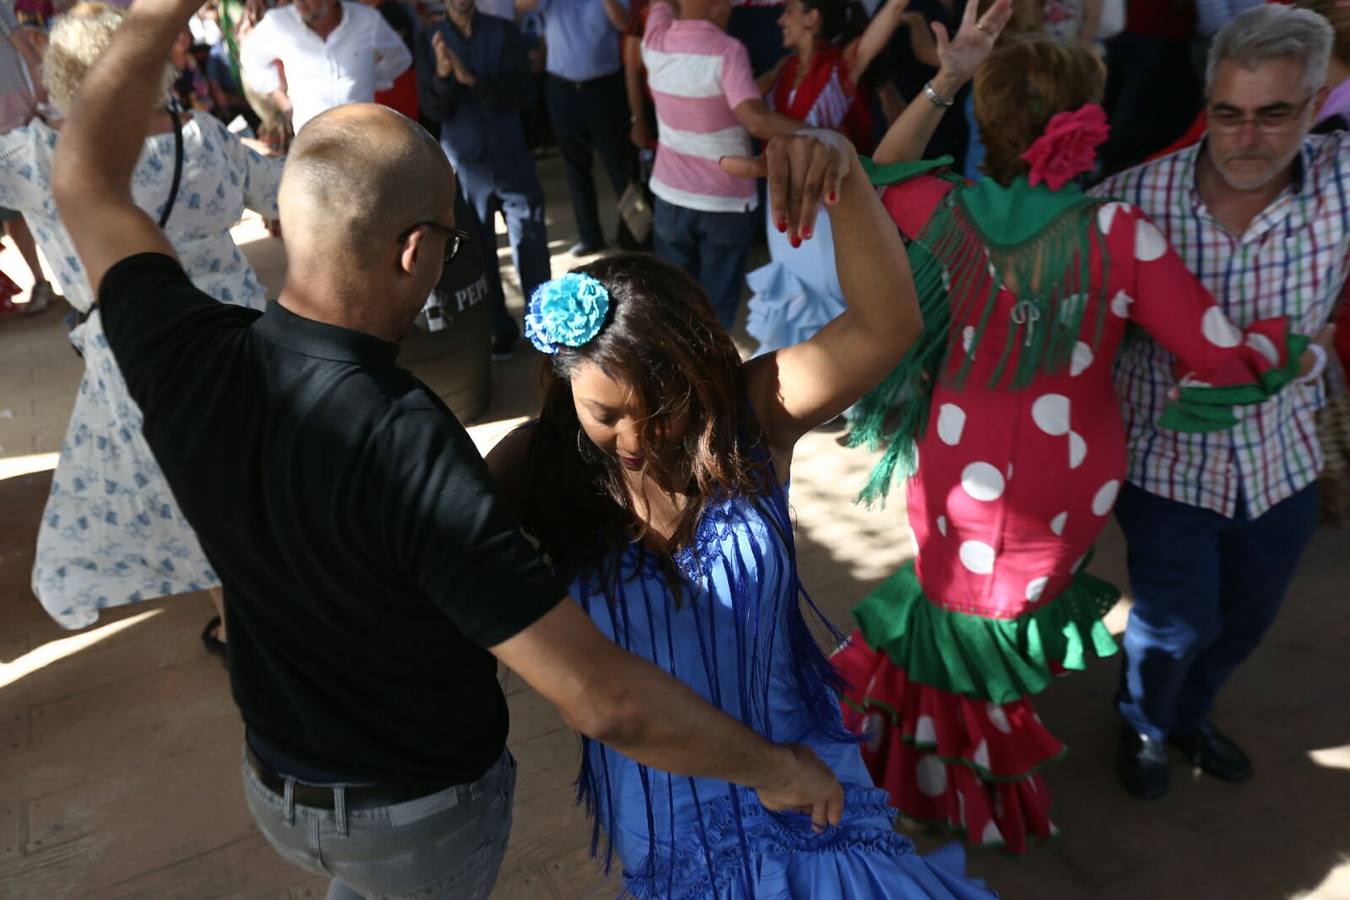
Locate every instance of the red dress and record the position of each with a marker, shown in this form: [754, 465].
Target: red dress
[1012, 487]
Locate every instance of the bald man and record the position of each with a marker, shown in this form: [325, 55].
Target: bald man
[370, 575]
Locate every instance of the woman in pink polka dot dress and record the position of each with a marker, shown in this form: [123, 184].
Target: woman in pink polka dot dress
[1009, 425]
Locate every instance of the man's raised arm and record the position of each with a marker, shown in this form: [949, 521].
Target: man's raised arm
[103, 135]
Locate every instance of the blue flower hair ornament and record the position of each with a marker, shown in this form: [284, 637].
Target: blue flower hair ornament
[566, 312]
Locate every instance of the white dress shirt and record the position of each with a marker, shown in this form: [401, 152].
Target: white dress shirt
[361, 56]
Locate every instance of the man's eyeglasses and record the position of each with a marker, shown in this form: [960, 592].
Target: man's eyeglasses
[454, 238]
[1271, 119]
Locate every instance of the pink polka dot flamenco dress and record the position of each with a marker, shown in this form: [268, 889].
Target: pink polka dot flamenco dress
[1004, 419]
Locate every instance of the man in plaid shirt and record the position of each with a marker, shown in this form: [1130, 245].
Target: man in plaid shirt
[1215, 523]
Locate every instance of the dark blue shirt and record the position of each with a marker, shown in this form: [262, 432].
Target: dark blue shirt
[481, 121]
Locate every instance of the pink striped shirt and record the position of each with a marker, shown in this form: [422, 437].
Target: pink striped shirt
[698, 75]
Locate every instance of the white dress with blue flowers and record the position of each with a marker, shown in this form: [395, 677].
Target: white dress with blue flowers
[111, 532]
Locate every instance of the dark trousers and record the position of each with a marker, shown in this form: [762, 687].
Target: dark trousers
[591, 117]
[1206, 589]
[710, 246]
[515, 192]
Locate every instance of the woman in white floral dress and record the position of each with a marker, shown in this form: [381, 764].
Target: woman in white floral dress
[111, 533]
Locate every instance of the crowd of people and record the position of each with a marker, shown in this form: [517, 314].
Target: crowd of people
[1044, 289]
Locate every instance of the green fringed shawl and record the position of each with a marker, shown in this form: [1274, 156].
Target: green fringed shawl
[979, 238]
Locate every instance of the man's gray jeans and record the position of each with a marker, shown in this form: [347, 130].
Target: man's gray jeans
[448, 844]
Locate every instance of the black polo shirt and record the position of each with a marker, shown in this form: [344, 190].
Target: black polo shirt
[365, 559]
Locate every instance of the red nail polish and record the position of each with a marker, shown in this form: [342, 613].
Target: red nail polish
[795, 241]
[832, 197]
[806, 233]
[782, 225]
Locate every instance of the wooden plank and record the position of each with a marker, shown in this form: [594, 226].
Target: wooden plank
[575, 876]
[169, 636]
[531, 716]
[551, 825]
[523, 884]
[246, 869]
[133, 723]
[130, 823]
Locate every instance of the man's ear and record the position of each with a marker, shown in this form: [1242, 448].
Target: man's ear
[412, 247]
[1319, 101]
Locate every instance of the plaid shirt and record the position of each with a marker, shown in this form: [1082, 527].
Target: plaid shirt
[1292, 261]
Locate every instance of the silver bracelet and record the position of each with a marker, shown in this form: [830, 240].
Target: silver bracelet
[936, 98]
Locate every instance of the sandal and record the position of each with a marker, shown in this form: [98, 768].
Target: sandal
[214, 644]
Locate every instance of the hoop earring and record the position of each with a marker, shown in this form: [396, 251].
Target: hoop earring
[584, 446]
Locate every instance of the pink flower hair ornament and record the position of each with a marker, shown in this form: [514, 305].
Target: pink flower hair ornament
[1068, 147]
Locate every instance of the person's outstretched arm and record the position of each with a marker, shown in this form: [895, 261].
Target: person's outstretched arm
[959, 59]
[392, 57]
[629, 704]
[876, 36]
[797, 388]
[103, 136]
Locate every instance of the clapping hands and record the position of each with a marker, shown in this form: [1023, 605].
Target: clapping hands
[448, 64]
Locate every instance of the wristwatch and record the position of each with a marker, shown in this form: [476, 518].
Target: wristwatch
[937, 99]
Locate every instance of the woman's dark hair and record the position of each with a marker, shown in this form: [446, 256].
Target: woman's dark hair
[698, 435]
[843, 21]
[840, 20]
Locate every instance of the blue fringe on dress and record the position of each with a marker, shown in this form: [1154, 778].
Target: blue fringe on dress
[739, 639]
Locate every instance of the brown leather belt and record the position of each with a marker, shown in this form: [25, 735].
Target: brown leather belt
[317, 796]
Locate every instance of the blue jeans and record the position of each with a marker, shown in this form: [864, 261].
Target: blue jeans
[515, 192]
[445, 845]
[1206, 589]
[710, 246]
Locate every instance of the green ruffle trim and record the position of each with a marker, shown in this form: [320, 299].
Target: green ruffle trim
[1000, 660]
[1204, 409]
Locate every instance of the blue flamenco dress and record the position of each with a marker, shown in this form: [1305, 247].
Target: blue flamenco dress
[738, 638]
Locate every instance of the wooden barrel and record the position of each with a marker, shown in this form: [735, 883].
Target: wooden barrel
[450, 344]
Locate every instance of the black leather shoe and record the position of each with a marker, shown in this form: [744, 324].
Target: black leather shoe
[1214, 753]
[212, 642]
[1142, 764]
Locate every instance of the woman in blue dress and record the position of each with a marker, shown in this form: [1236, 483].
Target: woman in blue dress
[656, 480]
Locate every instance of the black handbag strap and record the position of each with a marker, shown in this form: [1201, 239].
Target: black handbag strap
[75, 319]
[177, 165]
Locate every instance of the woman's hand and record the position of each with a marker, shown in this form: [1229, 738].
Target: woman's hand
[803, 169]
[794, 389]
[960, 57]
[1311, 359]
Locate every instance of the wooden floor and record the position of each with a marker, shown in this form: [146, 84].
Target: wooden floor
[119, 744]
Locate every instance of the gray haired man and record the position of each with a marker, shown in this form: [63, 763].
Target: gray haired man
[1215, 524]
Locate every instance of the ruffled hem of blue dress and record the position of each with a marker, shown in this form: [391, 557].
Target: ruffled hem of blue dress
[862, 858]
